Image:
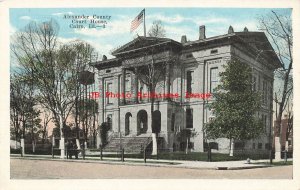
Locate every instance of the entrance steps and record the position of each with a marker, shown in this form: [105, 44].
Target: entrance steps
[132, 145]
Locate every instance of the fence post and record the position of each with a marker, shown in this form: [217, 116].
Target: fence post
[145, 155]
[21, 149]
[122, 155]
[83, 152]
[209, 154]
[101, 155]
[52, 151]
[285, 156]
[68, 149]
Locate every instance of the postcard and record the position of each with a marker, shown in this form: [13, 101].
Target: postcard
[144, 92]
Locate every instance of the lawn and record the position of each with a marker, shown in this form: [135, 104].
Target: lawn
[192, 156]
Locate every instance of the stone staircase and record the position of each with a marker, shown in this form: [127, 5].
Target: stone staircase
[132, 145]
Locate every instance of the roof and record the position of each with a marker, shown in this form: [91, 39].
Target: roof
[142, 42]
[107, 63]
[255, 42]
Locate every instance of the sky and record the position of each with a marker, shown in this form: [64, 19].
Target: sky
[176, 21]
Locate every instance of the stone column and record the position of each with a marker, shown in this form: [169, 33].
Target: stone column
[123, 85]
[168, 79]
[116, 119]
[136, 86]
[101, 101]
[101, 110]
[116, 91]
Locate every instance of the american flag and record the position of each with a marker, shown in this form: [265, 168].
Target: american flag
[137, 21]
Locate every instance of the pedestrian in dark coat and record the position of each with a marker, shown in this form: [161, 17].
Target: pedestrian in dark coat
[75, 150]
[70, 150]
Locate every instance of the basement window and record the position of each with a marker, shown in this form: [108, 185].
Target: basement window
[213, 51]
[108, 71]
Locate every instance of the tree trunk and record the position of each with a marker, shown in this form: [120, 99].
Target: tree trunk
[231, 147]
[277, 127]
[53, 140]
[23, 146]
[277, 149]
[78, 143]
[62, 139]
[32, 139]
[154, 135]
[154, 144]
[187, 146]
[33, 146]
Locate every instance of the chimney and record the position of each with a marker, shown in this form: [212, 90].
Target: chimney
[202, 32]
[183, 39]
[104, 58]
[230, 30]
[246, 29]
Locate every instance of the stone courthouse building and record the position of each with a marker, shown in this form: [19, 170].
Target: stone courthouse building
[190, 73]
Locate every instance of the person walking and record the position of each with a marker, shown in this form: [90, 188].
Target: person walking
[70, 150]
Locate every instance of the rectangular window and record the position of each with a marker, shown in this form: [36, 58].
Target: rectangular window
[254, 83]
[214, 51]
[259, 146]
[173, 122]
[128, 84]
[265, 92]
[214, 78]
[107, 94]
[190, 81]
[239, 145]
[253, 146]
[267, 146]
[189, 118]
[265, 123]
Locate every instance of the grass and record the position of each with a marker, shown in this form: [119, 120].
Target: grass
[136, 161]
[192, 156]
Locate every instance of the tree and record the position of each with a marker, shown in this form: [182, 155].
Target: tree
[84, 54]
[23, 113]
[87, 110]
[278, 28]
[157, 29]
[46, 120]
[235, 105]
[51, 67]
[36, 49]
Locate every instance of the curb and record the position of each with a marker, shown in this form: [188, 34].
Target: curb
[162, 164]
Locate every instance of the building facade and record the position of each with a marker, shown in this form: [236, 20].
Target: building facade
[185, 74]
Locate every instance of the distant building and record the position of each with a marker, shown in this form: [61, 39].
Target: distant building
[196, 72]
[286, 135]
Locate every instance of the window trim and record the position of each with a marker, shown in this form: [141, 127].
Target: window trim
[210, 78]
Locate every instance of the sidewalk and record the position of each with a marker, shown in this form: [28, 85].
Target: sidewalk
[226, 165]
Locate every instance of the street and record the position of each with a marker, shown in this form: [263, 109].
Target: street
[47, 169]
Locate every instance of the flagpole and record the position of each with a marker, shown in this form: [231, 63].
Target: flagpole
[144, 23]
